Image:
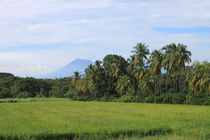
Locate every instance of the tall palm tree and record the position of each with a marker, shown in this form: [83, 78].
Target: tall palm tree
[169, 59]
[141, 51]
[155, 66]
[90, 76]
[131, 71]
[169, 62]
[182, 56]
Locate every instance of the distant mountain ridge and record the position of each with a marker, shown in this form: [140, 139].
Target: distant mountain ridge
[68, 70]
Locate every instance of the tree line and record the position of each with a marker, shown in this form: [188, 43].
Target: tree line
[166, 75]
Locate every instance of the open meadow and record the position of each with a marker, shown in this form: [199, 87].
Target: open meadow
[65, 119]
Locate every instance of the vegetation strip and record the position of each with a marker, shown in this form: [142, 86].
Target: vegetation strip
[102, 135]
[161, 76]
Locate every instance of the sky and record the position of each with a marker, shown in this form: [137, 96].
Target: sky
[40, 36]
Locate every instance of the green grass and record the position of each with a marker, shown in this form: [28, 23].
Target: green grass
[102, 120]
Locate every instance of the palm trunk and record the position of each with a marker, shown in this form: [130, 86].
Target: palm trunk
[134, 85]
[183, 81]
[174, 86]
[160, 85]
[166, 82]
[155, 85]
[180, 85]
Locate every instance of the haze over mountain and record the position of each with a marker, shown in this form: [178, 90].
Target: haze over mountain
[68, 70]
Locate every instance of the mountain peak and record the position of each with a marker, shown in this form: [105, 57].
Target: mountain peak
[79, 61]
[68, 70]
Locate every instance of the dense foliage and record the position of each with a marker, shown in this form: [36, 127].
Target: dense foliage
[162, 76]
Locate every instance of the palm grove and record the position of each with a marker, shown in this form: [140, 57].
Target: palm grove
[162, 76]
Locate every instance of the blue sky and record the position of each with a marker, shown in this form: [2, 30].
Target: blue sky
[40, 36]
[193, 30]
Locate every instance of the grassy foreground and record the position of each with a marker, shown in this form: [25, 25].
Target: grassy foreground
[100, 120]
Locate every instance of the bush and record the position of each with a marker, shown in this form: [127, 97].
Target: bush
[207, 101]
[167, 99]
[107, 98]
[197, 99]
[127, 98]
[150, 99]
[39, 96]
[83, 98]
[159, 99]
[24, 94]
[178, 98]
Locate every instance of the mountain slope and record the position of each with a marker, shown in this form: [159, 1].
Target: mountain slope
[68, 70]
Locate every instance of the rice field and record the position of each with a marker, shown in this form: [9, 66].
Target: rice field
[65, 119]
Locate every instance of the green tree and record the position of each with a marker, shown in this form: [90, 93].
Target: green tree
[198, 77]
[114, 67]
[140, 51]
[182, 56]
[155, 66]
[97, 75]
[124, 85]
[169, 62]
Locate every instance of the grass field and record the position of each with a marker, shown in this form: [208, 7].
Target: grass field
[63, 119]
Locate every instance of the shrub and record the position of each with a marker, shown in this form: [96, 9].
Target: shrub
[107, 98]
[39, 96]
[159, 99]
[150, 99]
[207, 101]
[127, 98]
[167, 99]
[24, 94]
[178, 98]
[197, 99]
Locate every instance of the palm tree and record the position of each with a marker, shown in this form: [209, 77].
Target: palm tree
[124, 85]
[131, 71]
[76, 77]
[141, 51]
[155, 66]
[198, 77]
[182, 56]
[90, 76]
[169, 62]
[147, 83]
[114, 66]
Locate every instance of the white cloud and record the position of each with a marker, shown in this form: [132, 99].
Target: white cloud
[39, 26]
[84, 40]
[92, 29]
